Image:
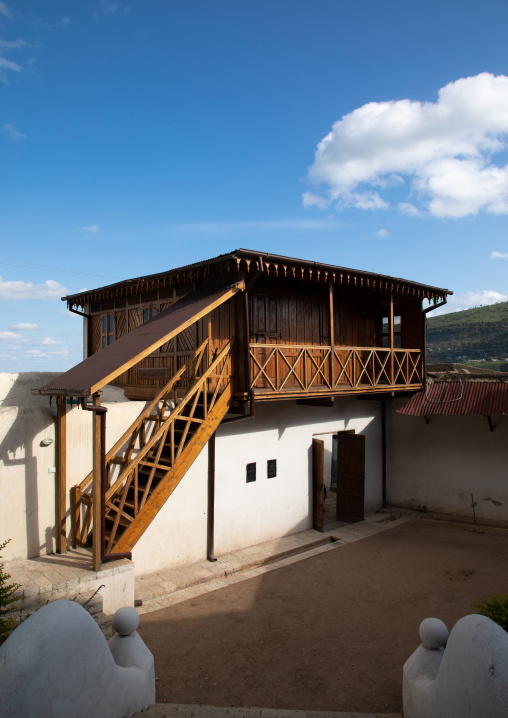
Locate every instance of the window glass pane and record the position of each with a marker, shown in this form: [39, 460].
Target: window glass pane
[396, 324]
[386, 342]
[104, 340]
[111, 323]
[386, 324]
[105, 324]
[146, 315]
[397, 343]
[154, 311]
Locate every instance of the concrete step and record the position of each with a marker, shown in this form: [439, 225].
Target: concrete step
[175, 710]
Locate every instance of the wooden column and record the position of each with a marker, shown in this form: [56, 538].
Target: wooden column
[96, 485]
[61, 474]
[332, 336]
[391, 340]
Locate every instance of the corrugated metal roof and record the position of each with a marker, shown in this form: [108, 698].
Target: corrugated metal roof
[104, 366]
[476, 398]
[270, 261]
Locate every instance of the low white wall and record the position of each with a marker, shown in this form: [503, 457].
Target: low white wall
[57, 663]
[249, 513]
[27, 469]
[440, 464]
[467, 678]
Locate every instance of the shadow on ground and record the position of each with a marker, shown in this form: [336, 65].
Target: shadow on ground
[330, 632]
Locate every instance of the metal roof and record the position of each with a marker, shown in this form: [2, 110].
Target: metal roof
[101, 368]
[253, 260]
[462, 398]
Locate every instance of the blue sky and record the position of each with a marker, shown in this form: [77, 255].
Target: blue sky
[139, 136]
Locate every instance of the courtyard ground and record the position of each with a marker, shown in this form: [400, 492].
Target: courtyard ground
[330, 632]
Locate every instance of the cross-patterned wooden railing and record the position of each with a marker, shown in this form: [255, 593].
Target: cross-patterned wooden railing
[301, 368]
[149, 449]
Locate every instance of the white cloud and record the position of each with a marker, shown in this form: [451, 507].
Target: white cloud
[499, 255]
[4, 10]
[24, 327]
[13, 133]
[382, 233]
[11, 337]
[92, 228]
[469, 300]
[107, 7]
[7, 46]
[36, 353]
[409, 209]
[27, 290]
[442, 152]
[48, 341]
[65, 21]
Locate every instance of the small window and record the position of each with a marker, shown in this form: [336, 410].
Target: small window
[251, 472]
[397, 332]
[108, 329]
[271, 468]
[149, 313]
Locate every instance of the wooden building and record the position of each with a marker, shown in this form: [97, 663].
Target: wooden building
[206, 343]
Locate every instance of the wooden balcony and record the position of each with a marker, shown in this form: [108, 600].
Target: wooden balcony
[295, 370]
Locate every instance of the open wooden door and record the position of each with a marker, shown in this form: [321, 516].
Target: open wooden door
[350, 477]
[318, 483]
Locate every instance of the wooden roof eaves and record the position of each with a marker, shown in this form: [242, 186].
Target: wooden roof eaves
[250, 261]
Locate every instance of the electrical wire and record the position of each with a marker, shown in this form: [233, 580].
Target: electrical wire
[24, 265]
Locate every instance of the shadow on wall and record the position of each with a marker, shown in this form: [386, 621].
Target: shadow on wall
[25, 421]
[23, 460]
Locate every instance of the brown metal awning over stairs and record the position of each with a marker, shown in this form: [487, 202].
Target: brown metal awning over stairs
[103, 367]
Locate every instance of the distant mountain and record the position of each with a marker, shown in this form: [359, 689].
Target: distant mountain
[473, 334]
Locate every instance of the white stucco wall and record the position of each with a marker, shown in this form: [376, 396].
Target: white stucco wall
[245, 514]
[440, 464]
[27, 478]
[249, 513]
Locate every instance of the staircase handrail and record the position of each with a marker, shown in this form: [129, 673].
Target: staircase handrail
[172, 417]
[145, 413]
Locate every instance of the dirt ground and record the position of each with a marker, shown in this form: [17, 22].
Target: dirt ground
[330, 632]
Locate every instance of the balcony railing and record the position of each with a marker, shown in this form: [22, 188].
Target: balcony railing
[283, 368]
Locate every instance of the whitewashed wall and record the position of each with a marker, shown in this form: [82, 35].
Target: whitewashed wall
[249, 513]
[441, 464]
[245, 514]
[27, 478]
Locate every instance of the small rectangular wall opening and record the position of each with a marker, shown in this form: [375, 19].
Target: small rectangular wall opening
[251, 472]
[271, 468]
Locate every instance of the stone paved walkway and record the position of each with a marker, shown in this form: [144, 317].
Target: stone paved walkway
[172, 586]
[173, 710]
[68, 575]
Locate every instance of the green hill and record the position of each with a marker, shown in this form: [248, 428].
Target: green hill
[473, 334]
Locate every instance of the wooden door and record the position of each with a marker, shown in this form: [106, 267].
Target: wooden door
[264, 330]
[318, 483]
[350, 477]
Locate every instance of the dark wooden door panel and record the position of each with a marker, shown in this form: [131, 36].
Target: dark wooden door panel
[318, 483]
[350, 477]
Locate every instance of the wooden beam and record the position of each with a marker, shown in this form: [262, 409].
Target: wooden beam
[332, 335]
[61, 475]
[391, 340]
[96, 485]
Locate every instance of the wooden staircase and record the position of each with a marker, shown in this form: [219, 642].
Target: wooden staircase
[148, 462]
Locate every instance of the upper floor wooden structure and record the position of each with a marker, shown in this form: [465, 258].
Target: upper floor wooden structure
[300, 328]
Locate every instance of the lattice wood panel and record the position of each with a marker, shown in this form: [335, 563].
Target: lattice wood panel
[96, 333]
